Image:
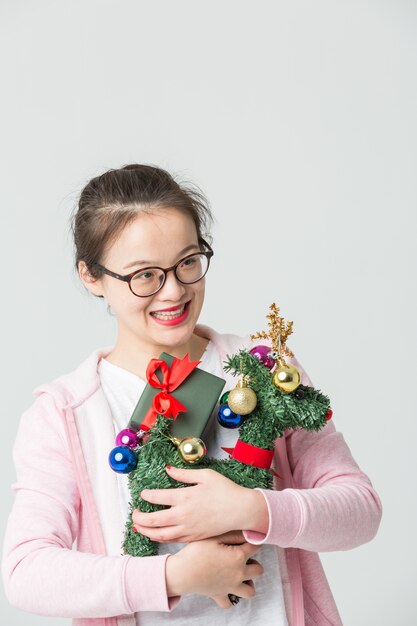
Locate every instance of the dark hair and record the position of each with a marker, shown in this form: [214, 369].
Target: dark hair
[111, 201]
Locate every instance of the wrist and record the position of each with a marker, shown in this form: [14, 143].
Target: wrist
[257, 516]
[174, 577]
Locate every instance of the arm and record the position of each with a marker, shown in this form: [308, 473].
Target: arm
[331, 504]
[41, 572]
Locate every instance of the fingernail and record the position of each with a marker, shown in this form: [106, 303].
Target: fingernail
[135, 530]
[167, 467]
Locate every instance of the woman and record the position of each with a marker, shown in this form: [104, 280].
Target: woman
[137, 232]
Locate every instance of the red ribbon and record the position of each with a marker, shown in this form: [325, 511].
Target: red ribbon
[172, 377]
[252, 455]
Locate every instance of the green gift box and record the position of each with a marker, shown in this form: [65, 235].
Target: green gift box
[199, 393]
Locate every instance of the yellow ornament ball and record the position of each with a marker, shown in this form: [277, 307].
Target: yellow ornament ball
[192, 449]
[286, 378]
[242, 400]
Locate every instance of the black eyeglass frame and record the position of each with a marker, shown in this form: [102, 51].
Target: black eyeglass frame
[127, 278]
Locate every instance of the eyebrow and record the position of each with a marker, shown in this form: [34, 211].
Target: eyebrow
[151, 263]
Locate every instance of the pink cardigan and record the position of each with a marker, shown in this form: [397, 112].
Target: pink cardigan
[66, 493]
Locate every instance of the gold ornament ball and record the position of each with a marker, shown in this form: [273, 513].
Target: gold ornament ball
[242, 400]
[287, 378]
[192, 449]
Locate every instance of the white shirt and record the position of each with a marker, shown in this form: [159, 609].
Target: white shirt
[122, 390]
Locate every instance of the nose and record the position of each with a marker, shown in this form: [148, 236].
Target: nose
[172, 289]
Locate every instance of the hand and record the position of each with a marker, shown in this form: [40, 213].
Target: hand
[214, 567]
[213, 506]
[225, 602]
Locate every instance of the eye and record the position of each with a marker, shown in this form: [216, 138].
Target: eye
[300, 393]
[148, 275]
[274, 354]
[188, 262]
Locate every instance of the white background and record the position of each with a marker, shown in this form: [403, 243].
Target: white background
[298, 121]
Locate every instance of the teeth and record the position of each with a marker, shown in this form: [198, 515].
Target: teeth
[169, 315]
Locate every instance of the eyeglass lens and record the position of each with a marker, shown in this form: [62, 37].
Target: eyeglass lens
[148, 281]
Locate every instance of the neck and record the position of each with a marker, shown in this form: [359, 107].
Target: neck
[133, 354]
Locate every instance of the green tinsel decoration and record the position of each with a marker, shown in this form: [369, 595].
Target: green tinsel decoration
[275, 412]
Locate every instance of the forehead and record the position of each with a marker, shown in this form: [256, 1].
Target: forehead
[154, 237]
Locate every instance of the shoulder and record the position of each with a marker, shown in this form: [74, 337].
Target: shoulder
[74, 387]
[224, 342]
[42, 424]
[229, 343]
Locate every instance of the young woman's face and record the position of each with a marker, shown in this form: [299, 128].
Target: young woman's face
[159, 239]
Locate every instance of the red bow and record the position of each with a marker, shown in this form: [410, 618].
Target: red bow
[172, 377]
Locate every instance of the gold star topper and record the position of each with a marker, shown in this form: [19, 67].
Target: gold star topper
[279, 331]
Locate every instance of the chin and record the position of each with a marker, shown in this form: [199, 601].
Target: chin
[174, 337]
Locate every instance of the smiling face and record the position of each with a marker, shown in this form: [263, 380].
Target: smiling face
[158, 239]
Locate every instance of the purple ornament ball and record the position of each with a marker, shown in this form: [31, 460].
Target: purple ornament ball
[261, 353]
[127, 437]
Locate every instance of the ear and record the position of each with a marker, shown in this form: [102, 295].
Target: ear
[94, 285]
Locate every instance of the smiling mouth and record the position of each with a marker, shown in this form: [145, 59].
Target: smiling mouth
[170, 315]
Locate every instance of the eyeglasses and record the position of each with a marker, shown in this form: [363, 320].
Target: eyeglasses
[149, 280]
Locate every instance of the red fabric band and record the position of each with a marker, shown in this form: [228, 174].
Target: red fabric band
[252, 455]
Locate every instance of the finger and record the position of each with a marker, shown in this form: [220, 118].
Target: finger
[249, 582]
[254, 570]
[161, 535]
[187, 475]
[155, 519]
[245, 590]
[162, 496]
[222, 601]
[231, 537]
[249, 549]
